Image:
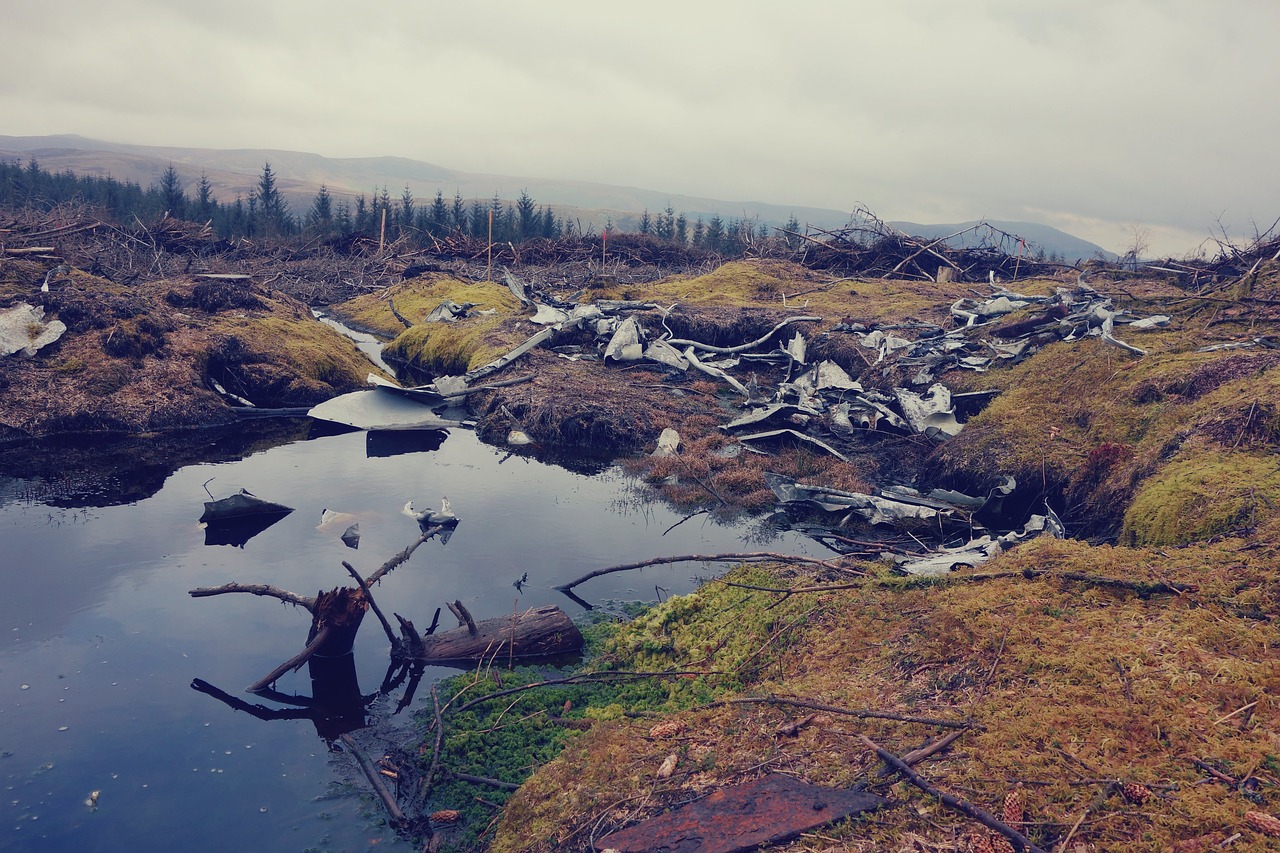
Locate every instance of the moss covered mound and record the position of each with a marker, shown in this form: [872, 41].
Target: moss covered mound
[427, 350]
[137, 358]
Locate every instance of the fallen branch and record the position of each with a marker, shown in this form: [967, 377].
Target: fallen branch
[983, 817]
[398, 818]
[748, 557]
[484, 780]
[403, 556]
[364, 587]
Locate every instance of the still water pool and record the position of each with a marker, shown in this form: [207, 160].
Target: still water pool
[100, 642]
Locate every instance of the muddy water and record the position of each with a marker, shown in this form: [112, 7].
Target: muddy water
[99, 641]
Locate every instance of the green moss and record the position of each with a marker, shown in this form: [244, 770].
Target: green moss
[450, 348]
[310, 348]
[1206, 495]
[414, 300]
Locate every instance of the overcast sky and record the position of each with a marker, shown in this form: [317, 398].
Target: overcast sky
[1095, 117]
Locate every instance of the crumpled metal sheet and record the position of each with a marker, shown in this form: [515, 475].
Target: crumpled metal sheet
[716, 372]
[668, 443]
[664, 353]
[740, 818]
[773, 412]
[625, 345]
[877, 510]
[547, 315]
[448, 311]
[16, 325]
[930, 414]
[379, 410]
[798, 436]
[978, 551]
[797, 349]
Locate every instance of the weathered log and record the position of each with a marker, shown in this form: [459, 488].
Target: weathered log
[539, 632]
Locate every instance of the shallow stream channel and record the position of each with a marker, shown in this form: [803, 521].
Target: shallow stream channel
[104, 743]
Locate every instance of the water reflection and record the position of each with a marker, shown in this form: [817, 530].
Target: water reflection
[396, 442]
[101, 641]
[335, 707]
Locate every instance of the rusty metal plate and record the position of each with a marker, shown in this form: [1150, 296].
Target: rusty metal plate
[769, 810]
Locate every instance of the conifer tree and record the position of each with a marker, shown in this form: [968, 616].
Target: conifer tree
[174, 200]
[526, 217]
[438, 217]
[206, 206]
[320, 216]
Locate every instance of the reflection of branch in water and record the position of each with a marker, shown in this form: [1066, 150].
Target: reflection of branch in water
[335, 707]
[262, 712]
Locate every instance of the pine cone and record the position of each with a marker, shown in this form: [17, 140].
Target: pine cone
[446, 816]
[977, 841]
[1014, 808]
[1000, 844]
[1136, 793]
[1263, 822]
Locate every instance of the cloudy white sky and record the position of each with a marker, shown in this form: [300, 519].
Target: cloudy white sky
[1095, 116]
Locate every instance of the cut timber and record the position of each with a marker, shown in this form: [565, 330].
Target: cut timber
[539, 632]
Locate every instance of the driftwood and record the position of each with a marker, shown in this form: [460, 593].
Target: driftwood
[538, 632]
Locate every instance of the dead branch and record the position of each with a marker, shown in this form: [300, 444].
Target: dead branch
[983, 817]
[364, 587]
[256, 589]
[748, 557]
[462, 615]
[484, 780]
[398, 818]
[403, 556]
[322, 636]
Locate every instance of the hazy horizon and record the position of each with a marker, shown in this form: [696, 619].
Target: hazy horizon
[1089, 118]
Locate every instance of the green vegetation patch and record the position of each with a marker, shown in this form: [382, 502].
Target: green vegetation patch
[417, 298]
[677, 655]
[1206, 494]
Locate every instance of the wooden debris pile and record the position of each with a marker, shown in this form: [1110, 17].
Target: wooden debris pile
[869, 247]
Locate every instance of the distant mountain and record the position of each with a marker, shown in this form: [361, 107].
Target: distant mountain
[299, 175]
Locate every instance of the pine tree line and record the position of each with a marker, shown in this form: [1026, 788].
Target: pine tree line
[265, 213]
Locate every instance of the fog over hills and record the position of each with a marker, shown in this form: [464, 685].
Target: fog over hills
[299, 175]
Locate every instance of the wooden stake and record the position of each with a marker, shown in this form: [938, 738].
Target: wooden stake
[488, 274]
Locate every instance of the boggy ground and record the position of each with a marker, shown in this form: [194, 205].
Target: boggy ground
[1127, 717]
[1120, 683]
